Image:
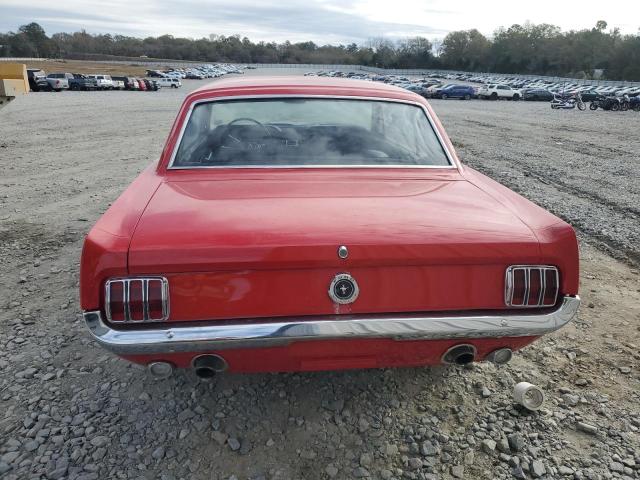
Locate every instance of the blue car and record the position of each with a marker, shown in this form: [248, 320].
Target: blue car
[463, 92]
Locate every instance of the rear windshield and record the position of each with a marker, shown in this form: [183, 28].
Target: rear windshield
[308, 132]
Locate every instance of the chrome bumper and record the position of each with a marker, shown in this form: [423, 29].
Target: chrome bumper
[223, 335]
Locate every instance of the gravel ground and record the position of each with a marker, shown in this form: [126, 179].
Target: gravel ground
[71, 410]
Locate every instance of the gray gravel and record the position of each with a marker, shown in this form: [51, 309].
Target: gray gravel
[70, 410]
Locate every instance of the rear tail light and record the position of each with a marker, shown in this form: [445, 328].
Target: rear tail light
[131, 300]
[531, 286]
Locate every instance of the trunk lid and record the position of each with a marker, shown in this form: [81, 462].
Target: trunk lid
[248, 246]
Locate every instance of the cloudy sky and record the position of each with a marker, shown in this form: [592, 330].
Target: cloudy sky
[323, 21]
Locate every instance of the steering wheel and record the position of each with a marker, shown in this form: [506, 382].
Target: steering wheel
[246, 119]
[251, 120]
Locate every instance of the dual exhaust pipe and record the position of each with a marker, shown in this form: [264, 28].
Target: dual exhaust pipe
[465, 353]
[204, 366]
[208, 365]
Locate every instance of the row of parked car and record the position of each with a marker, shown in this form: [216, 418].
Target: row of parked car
[56, 82]
[543, 89]
[492, 87]
[155, 79]
[428, 87]
[199, 72]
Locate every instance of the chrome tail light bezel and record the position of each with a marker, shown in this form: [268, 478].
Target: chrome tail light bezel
[541, 270]
[126, 288]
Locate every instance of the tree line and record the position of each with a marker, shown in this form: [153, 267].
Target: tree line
[537, 49]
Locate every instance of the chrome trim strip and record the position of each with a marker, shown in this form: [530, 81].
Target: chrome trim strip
[145, 300]
[165, 299]
[221, 335]
[443, 145]
[527, 285]
[126, 286]
[555, 298]
[308, 167]
[107, 301]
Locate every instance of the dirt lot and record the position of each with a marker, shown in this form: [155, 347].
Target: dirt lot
[71, 410]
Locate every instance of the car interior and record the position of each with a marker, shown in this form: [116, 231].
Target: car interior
[246, 141]
[308, 132]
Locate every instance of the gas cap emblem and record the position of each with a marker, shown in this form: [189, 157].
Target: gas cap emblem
[343, 289]
[343, 252]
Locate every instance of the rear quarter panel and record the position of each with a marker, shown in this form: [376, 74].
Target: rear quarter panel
[105, 249]
[557, 239]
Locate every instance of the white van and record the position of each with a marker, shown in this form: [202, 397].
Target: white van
[169, 82]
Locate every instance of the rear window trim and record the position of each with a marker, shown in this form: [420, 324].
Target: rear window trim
[452, 163]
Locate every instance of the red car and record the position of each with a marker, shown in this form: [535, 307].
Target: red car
[307, 223]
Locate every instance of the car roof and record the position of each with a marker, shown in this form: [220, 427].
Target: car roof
[333, 85]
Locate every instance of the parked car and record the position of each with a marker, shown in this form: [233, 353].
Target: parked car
[155, 74]
[78, 81]
[435, 89]
[104, 81]
[169, 82]
[590, 95]
[420, 90]
[463, 92]
[537, 94]
[129, 83]
[58, 81]
[495, 92]
[151, 85]
[320, 223]
[37, 80]
[71, 81]
[117, 84]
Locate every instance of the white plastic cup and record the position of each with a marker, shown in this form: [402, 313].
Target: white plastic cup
[528, 395]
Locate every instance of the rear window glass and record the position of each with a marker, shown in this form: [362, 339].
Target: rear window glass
[308, 132]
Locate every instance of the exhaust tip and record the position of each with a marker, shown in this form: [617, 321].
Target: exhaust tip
[207, 366]
[459, 355]
[160, 370]
[500, 356]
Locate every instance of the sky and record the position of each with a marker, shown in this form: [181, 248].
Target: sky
[321, 21]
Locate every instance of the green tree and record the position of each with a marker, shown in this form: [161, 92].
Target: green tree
[36, 41]
[465, 50]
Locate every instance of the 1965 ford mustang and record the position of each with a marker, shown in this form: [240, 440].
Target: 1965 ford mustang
[309, 224]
